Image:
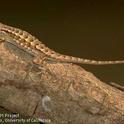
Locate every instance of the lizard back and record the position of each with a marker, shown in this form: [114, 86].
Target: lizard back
[29, 42]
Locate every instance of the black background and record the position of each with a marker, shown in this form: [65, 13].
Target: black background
[87, 29]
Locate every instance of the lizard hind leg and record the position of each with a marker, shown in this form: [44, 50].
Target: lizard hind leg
[40, 60]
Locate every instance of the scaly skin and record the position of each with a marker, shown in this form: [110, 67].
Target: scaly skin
[32, 44]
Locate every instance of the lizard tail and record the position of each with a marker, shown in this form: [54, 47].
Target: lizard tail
[65, 58]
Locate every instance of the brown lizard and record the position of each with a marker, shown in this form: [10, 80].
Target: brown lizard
[31, 44]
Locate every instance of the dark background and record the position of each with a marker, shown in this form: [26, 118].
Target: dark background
[87, 29]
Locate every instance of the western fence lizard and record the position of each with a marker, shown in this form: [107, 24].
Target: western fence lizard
[31, 44]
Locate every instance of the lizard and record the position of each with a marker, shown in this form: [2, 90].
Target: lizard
[30, 43]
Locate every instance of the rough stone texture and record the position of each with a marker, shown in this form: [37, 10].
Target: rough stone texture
[62, 92]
